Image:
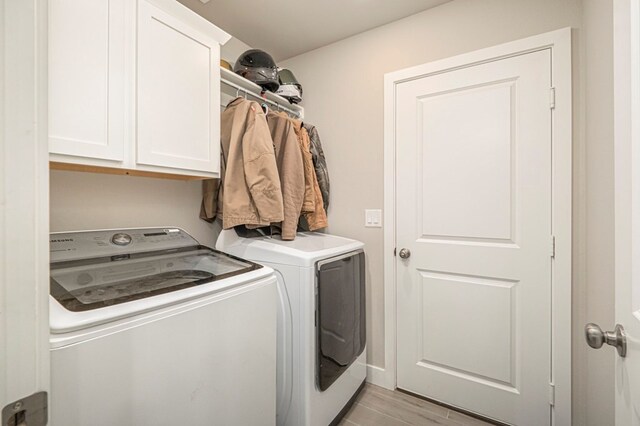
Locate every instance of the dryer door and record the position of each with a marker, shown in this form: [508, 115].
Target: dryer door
[340, 307]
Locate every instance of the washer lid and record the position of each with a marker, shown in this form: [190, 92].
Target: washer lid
[87, 284]
[305, 250]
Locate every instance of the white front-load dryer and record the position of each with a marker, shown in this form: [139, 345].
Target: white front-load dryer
[321, 353]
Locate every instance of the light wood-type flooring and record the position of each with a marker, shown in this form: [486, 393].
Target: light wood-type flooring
[377, 406]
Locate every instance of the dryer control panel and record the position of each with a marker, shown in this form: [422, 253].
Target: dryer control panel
[89, 244]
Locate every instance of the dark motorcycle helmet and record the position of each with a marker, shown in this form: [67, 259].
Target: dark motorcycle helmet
[258, 66]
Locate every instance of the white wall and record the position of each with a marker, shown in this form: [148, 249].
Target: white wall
[343, 88]
[94, 201]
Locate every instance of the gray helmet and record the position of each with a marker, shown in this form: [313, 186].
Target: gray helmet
[290, 88]
[258, 66]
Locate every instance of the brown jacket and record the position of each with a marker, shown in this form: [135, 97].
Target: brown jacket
[312, 207]
[318, 218]
[250, 193]
[309, 205]
[291, 169]
[209, 206]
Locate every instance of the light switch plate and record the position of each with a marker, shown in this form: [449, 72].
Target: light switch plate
[373, 218]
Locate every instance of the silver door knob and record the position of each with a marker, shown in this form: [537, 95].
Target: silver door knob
[404, 253]
[596, 338]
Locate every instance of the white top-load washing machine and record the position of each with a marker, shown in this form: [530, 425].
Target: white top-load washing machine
[321, 321]
[148, 327]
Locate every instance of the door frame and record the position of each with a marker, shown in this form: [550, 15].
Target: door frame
[626, 86]
[559, 42]
[24, 200]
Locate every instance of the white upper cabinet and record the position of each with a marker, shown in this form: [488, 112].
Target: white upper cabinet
[178, 93]
[86, 78]
[134, 85]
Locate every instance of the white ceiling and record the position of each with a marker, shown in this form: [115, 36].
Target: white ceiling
[286, 28]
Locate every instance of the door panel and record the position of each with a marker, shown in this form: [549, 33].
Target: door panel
[451, 189]
[494, 359]
[474, 209]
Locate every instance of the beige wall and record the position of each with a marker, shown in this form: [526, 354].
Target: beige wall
[232, 49]
[594, 280]
[343, 88]
[94, 201]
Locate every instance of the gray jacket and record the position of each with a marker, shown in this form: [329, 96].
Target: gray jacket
[319, 163]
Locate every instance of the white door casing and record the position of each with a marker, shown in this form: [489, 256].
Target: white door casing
[627, 207]
[24, 200]
[178, 86]
[474, 238]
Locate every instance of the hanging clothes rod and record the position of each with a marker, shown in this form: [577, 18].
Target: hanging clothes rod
[268, 101]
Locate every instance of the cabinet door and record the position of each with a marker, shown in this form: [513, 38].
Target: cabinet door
[178, 91]
[86, 78]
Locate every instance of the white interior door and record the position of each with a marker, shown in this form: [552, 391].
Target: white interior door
[473, 209]
[24, 210]
[627, 207]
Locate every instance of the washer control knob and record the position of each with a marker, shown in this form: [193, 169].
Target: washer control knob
[121, 239]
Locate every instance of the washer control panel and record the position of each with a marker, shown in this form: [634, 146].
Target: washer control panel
[88, 244]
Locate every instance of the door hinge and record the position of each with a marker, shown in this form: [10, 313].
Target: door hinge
[552, 98]
[552, 394]
[552, 248]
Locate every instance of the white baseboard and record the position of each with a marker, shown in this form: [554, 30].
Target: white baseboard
[379, 377]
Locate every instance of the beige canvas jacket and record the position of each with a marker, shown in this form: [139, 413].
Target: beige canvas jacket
[250, 193]
[309, 204]
[317, 219]
[312, 207]
[291, 169]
